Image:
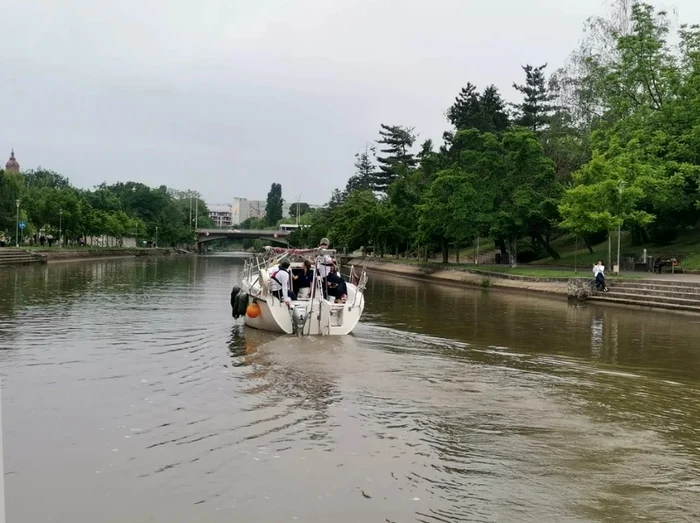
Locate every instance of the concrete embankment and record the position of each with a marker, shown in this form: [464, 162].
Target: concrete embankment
[483, 279]
[91, 254]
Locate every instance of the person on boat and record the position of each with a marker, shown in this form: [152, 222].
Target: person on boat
[333, 283]
[599, 274]
[303, 280]
[280, 283]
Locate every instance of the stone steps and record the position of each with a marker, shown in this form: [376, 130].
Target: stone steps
[654, 283]
[9, 257]
[648, 304]
[665, 292]
[660, 294]
[652, 298]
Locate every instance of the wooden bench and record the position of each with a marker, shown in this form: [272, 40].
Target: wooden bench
[672, 261]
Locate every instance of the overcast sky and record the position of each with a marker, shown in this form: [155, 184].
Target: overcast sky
[228, 96]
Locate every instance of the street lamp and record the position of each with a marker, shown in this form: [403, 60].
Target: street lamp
[60, 227]
[17, 229]
[156, 237]
[620, 187]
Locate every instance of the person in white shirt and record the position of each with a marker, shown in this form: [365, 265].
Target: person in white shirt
[280, 283]
[599, 274]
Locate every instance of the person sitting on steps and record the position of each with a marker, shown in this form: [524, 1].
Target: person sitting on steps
[599, 273]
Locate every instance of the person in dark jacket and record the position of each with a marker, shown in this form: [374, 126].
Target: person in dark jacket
[303, 279]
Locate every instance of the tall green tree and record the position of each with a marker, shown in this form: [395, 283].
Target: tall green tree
[396, 157]
[365, 172]
[10, 191]
[274, 209]
[535, 110]
[299, 209]
[485, 111]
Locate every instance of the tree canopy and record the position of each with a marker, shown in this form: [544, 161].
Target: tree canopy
[610, 139]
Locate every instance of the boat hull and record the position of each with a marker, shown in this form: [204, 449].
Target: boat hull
[323, 318]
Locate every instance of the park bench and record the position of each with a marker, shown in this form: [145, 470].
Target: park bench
[669, 261]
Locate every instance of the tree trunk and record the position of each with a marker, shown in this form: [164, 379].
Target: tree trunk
[547, 246]
[513, 255]
[502, 246]
[588, 245]
[457, 255]
[445, 251]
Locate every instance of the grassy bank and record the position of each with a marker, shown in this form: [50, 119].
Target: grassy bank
[84, 253]
[687, 246]
[524, 271]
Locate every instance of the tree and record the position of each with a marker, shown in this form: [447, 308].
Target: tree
[10, 191]
[45, 178]
[364, 176]
[299, 209]
[449, 210]
[275, 204]
[535, 110]
[397, 157]
[485, 112]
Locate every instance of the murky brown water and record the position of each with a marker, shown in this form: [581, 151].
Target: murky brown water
[131, 395]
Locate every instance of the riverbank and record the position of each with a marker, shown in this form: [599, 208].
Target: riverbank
[61, 255]
[471, 277]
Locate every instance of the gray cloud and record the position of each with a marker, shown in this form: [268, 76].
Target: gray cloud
[229, 96]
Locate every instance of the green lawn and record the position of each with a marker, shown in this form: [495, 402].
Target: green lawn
[687, 246]
[522, 270]
[538, 272]
[39, 248]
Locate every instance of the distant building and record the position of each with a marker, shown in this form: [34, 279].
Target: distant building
[221, 214]
[243, 208]
[12, 166]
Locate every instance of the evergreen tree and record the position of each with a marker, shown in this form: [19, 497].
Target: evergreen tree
[465, 113]
[493, 111]
[485, 112]
[535, 110]
[364, 173]
[398, 158]
[275, 204]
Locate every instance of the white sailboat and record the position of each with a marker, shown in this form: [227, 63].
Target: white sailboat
[311, 314]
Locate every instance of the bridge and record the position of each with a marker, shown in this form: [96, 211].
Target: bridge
[207, 235]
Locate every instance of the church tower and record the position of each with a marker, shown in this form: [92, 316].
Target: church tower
[12, 166]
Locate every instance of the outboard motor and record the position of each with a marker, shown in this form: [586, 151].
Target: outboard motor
[299, 319]
[234, 292]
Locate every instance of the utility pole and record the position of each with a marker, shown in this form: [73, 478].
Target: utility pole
[17, 228]
[298, 203]
[196, 212]
[60, 226]
[619, 225]
[189, 224]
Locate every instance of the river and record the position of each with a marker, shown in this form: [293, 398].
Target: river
[130, 394]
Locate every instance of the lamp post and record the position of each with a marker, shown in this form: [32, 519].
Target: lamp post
[620, 188]
[298, 203]
[17, 227]
[60, 227]
[156, 236]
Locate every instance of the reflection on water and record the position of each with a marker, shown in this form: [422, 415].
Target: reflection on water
[130, 394]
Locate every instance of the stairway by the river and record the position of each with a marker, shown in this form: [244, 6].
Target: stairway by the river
[10, 257]
[662, 294]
